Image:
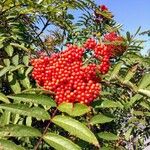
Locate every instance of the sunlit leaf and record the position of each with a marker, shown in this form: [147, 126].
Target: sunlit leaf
[9, 49]
[145, 81]
[3, 98]
[19, 131]
[8, 145]
[108, 136]
[4, 71]
[34, 98]
[74, 109]
[100, 119]
[59, 142]
[22, 109]
[75, 128]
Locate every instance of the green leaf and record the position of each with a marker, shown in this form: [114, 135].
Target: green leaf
[3, 98]
[108, 136]
[144, 92]
[8, 145]
[133, 100]
[59, 142]
[14, 130]
[4, 71]
[20, 47]
[128, 36]
[145, 81]
[100, 118]
[130, 74]
[145, 105]
[147, 114]
[138, 30]
[70, 16]
[75, 128]
[26, 60]
[14, 68]
[116, 70]
[25, 82]
[1, 45]
[21, 109]
[74, 109]
[28, 70]
[138, 113]
[6, 62]
[15, 118]
[128, 133]
[5, 118]
[110, 104]
[28, 121]
[15, 60]
[34, 98]
[14, 84]
[9, 50]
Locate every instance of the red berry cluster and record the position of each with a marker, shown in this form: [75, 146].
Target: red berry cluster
[65, 74]
[115, 43]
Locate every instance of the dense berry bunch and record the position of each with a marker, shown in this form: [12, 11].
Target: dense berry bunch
[65, 74]
[115, 43]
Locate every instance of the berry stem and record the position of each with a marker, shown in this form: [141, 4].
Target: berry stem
[45, 131]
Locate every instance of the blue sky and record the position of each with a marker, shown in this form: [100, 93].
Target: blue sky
[130, 13]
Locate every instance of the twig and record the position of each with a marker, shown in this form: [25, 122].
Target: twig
[45, 26]
[120, 84]
[50, 121]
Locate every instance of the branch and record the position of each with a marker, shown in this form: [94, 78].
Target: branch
[120, 84]
[45, 131]
[45, 26]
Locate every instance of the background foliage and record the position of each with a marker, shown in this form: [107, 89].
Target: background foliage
[30, 118]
